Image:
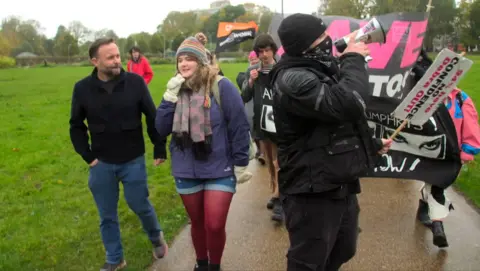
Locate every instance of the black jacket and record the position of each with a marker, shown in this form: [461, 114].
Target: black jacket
[324, 142]
[114, 119]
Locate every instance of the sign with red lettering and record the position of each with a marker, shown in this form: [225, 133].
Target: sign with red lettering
[439, 80]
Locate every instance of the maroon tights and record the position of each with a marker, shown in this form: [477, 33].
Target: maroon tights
[208, 212]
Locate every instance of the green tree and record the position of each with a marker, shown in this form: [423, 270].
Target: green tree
[49, 46]
[5, 48]
[65, 43]
[475, 21]
[156, 43]
[462, 24]
[180, 23]
[441, 20]
[9, 31]
[79, 31]
[226, 14]
[105, 33]
[379, 7]
[129, 43]
[351, 8]
[265, 21]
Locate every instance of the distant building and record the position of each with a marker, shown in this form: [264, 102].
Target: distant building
[26, 55]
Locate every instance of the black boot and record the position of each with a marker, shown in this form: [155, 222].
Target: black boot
[214, 267]
[422, 213]
[277, 212]
[202, 265]
[439, 237]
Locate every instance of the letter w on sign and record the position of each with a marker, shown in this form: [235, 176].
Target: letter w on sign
[439, 80]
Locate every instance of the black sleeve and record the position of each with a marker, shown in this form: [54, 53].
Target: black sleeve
[149, 110]
[78, 129]
[247, 90]
[306, 95]
[377, 144]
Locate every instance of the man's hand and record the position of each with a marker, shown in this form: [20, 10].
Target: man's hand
[158, 162]
[93, 163]
[387, 143]
[356, 47]
[253, 76]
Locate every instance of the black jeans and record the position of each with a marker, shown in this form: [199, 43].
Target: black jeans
[323, 231]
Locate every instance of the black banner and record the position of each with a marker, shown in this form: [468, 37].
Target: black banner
[229, 34]
[427, 153]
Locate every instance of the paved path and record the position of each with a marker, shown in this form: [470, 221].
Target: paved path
[391, 238]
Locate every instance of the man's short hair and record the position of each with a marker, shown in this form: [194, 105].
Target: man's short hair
[263, 41]
[93, 50]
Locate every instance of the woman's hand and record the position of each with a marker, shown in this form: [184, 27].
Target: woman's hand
[173, 87]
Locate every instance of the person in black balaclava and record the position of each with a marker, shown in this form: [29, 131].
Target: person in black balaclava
[324, 142]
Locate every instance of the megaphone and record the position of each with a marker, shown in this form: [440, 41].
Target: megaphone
[370, 33]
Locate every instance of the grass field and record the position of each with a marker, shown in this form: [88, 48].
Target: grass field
[469, 181]
[48, 219]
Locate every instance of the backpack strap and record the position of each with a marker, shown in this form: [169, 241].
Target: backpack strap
[459, 98]
[216, 91]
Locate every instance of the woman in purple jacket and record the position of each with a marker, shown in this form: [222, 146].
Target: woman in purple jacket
[209, 147]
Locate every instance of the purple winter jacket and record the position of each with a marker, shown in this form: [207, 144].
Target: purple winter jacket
[230, 138]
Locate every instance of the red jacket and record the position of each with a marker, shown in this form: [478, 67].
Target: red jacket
[142, 68]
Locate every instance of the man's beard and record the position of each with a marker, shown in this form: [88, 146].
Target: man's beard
[111, 72]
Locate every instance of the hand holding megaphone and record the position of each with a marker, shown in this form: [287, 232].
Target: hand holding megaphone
[371, 32]
[355, 47]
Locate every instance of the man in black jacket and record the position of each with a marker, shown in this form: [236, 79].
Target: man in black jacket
[112, 101]
[324, 142]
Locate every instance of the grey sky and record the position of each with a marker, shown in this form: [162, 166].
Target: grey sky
[124, 17]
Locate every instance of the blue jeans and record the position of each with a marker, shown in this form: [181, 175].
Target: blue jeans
[104, 184]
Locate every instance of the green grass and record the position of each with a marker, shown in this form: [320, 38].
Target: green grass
[469, 181]
[48, 219]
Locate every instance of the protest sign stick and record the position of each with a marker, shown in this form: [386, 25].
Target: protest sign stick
[405, 122]
[397, 131]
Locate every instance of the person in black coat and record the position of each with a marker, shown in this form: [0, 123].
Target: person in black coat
[324, 142]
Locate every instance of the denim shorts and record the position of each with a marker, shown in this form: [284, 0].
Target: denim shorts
[190, 186]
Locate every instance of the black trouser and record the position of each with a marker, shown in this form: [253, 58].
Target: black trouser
[323, 231]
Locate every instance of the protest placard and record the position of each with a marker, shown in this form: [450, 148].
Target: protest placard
[432, 90]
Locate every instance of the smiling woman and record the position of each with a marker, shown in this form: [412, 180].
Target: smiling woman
[209, 147]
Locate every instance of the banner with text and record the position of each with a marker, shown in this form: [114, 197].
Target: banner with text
[229, 34]
[427, 152]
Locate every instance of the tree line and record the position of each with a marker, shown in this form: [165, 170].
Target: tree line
[18, 36]
[448, 23]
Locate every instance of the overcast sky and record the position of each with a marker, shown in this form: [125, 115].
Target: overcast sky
[124, 17]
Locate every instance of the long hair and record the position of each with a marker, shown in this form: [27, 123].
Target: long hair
[203, 78]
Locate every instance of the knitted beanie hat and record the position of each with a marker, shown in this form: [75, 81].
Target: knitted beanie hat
[295, 42]
[193, 47]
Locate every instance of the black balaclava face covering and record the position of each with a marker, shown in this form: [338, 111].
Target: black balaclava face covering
[324, 48]
[323, 53]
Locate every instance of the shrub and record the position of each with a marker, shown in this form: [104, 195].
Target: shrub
[7, 62]
[159, 61]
